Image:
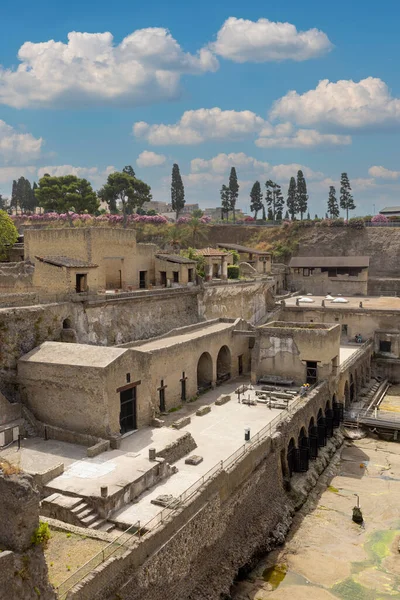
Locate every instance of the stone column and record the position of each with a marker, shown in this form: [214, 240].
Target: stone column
[209, 271]
[224, 268]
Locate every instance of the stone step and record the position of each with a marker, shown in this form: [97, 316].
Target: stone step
[87, 512]
[91, 518]
[80, 508]
[50, 499]
[106, 527]
[97, 524]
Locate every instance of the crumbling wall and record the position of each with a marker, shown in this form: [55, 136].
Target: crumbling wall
[23, 570]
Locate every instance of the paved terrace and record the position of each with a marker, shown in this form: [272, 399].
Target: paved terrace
[369, 302]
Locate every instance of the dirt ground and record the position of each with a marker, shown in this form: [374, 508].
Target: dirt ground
[326, 555]
[66, 552]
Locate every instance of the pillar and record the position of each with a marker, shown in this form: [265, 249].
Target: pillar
[209, 271]
[224, 268]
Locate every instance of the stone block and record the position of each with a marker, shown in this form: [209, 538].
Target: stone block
[115, 442]
[98, 448]
[166, 500]
[181, 423]
[157, 423]
[194, 460]
[222, 400]
[203, 411]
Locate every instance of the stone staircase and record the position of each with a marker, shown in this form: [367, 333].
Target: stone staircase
[74, 510]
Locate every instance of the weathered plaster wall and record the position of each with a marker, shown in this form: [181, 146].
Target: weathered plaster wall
[320, 284]
[15, 277]
[250, 301]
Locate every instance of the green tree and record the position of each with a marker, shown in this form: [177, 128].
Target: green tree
[125, 190]
[292, 199]
[333, 206]
[225, 201]
[67, 194]
[177, 191]
[129, 171]
[274, 200]
[3, 203]
[197, 228]
[346, 199]
[256, 199]
[286, 215]
[270, 215]
[301, 194]
[308, 216]
[14, 198]
[177, 236]
[264, 216]
[233, 191]
[8, 233]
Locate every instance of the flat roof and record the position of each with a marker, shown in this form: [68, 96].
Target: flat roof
[390, 209]
[79, 355]
[66, 261]
[175, 258]
[329, 261]
[297, 325]
[189, 336]
[209, 252]
[240, 248]
[387, 303]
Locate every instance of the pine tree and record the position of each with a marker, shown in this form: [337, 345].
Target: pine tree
[333, 207]
[292, 199]
[346, 199]
[177, 191]
[274, 199]
[287, 215]
[264, 216]
[308, 216]
[233, 190]
[14, 199]
[301, 194]
[129, 171]
[256, 199]
[225, 201]
[270, 215]
[279, 202]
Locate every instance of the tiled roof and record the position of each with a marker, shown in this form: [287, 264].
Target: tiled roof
[66, 261]
[210, 252]
[239, 248]
[175, 258]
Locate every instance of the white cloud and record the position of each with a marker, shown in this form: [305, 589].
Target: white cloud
[242, 41]
[15, 146]
[150, 159]
[221, 164]
[285, 136]
[94, 174]
[7, 174]
[383, 173]
[145, 67]
[345, 103]
[196, 126]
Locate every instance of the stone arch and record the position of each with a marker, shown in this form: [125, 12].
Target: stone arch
[290, 457]
[328, 405]
[204, 371]
[346, 395]
[67, 323]
[320, 416]
[311, 425]
[224, 364]
[302, 441]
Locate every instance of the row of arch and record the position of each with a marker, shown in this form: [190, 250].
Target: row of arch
[357, 380]
[205, 369]
[311, 438]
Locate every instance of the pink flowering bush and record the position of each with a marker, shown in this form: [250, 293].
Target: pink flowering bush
[205, 219]
[183, 220]
[379, 219]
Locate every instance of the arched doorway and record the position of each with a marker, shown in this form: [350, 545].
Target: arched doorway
[346, 396]
[313, 439]
[321, 426]
[352, 389]
[224, 362]
[291, 456]
[204, 372]
[304, 452]
[67, 324]
[329, 419]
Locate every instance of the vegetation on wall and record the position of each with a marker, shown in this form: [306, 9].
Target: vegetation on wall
[8, 233]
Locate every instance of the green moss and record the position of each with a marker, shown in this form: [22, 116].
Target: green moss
[350, 590]
[332, 489]
[379, 543]
[275, 575]
[41, 535]
[175, 408]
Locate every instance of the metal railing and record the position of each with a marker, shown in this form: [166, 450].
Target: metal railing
[354, 357]
[135, 534]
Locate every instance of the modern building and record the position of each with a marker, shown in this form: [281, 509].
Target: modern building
[389, 211]
[321, 275]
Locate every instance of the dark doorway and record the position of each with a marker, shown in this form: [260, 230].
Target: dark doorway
[161, 391]
[313, 439]
[142, 280]
[163, 278]
[176, 276]
[352, 389]
[190, 275]
[344, 330]
[81, 283]
[183, 387]
[385, 346]
[321, 427]
[204, 372]
[311, 372]
[223, 364]
[240, 364]
[127, 416]
[291, 456]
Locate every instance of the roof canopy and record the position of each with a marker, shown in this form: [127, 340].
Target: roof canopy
[390, 210]
[239, 248]
[329, 261]
[65, 261]
[175, 258]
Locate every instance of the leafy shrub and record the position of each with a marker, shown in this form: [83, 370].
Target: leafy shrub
[356, 223]
[337, 223]
[233, 272]
[41, 535]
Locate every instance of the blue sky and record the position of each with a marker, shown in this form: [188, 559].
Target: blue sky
[270, 86]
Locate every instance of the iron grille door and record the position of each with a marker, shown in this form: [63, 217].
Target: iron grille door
[313, 439]
[301, 460]
[321, 435]
[329, 422]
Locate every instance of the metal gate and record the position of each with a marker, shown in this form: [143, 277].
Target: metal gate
[313, 442]
[321, 433]
[338, 413]
[329, 422]
[291, 460]
[301, 460]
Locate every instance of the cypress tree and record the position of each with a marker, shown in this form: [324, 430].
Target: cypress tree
[14, 199]
[333, 207]
[308, 216]
[264, 216]
[279, 202]
[225, 201]
[292, 199]
[346, 199]
[177, 191]
[233, 190]
[256, 199]
[270, 215]
[287, 215]
[301, 194]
